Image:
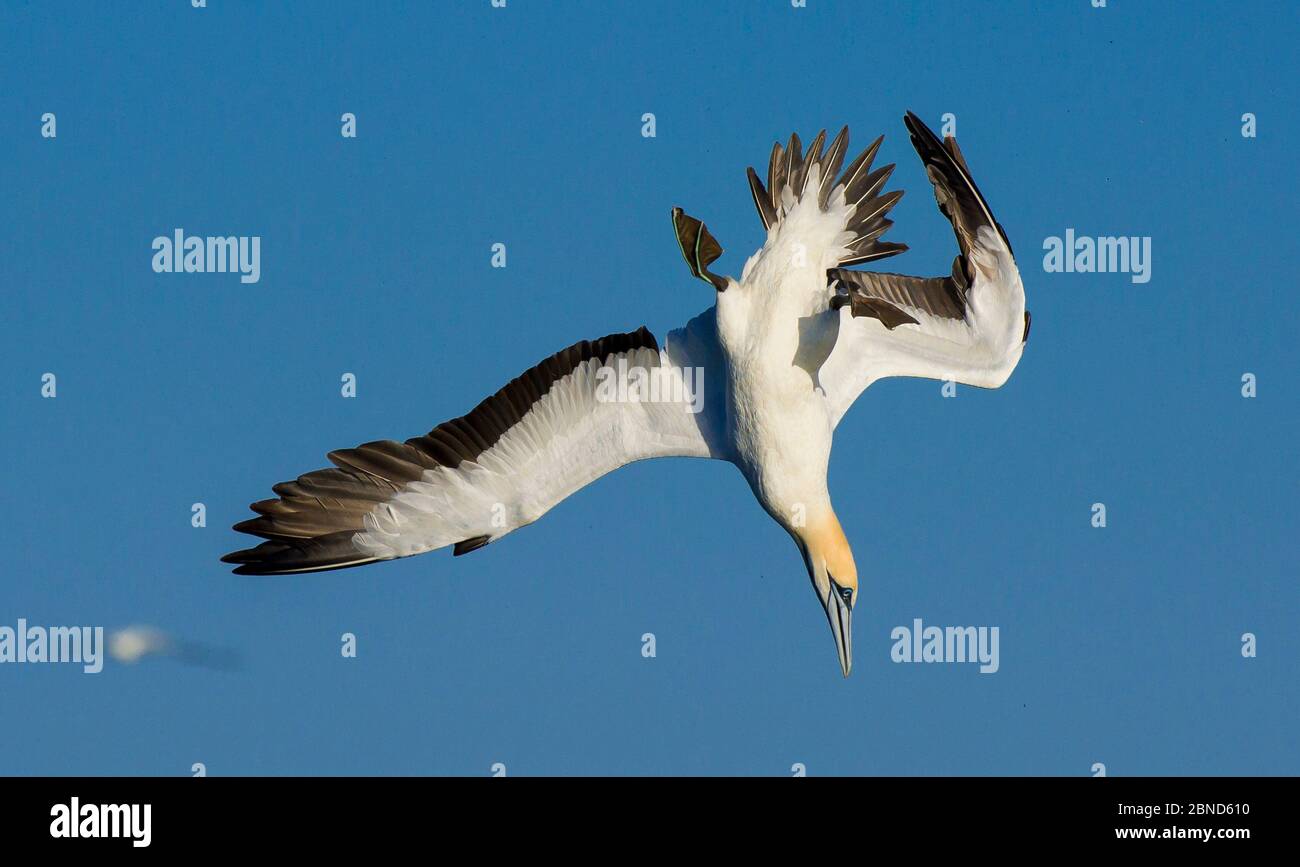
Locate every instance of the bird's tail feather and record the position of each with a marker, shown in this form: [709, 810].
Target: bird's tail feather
[790, 171]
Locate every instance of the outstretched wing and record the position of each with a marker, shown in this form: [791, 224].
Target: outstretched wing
[969, 326]
[565, 422]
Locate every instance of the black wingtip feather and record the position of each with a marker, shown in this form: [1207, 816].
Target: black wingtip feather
[284, 556]
[949, 162]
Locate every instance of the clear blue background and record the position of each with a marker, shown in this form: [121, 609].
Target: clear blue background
[477, 125]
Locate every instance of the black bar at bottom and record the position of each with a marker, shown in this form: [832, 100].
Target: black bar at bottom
[216, 814]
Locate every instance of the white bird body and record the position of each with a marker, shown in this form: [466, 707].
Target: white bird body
[761, 380]
[767, 323]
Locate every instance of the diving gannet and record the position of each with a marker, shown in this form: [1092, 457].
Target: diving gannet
[760, 379]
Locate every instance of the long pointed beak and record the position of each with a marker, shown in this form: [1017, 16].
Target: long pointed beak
[839, 611]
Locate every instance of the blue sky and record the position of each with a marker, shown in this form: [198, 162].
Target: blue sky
[523, 126]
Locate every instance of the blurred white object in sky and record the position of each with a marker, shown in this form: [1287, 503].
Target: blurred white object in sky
[133, 643]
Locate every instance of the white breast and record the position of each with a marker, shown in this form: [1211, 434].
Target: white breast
[777, 420]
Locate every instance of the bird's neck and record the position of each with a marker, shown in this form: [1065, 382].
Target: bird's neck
[825, 540]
